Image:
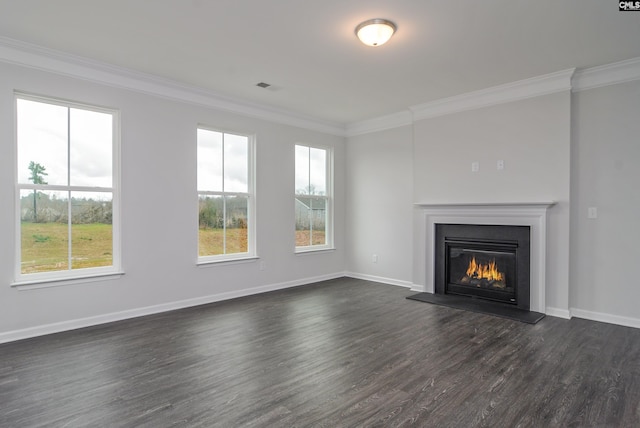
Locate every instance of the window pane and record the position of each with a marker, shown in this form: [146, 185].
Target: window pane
[236, 222]
[64, 146]
[236, 163]
[318, 171]
[303, 221]
[42, 140]
[91, 148]
[302, 170]
[311, 220]
[211, 226]
[44, 237]
[209, 160]
[318, 221]
[223, 167]
[91, 229]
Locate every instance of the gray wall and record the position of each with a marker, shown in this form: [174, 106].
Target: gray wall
[379, 205]
[533, 138]
[604, 173]
[579, 149]
[159, 254]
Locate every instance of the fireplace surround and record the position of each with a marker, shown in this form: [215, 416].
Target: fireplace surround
[532, 214]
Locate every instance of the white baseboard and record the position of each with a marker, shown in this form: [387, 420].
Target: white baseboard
[42, 330]
[557, 312]
[418, 288]
[553, 312]
[383, 280]
[58, 327]
[608, 318]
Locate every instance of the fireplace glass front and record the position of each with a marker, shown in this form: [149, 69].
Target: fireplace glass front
[489, 262]
[483, 269]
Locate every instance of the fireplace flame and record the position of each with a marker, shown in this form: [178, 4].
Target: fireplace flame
[488, 271]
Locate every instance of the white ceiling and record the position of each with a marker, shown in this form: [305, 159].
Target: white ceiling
[308, 51]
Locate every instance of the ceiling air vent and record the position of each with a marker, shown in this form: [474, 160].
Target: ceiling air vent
[263, 85]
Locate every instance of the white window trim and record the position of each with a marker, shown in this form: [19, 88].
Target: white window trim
[250, 254]
[85, 279]
[69, 276]
[229, 261]
[328, 246]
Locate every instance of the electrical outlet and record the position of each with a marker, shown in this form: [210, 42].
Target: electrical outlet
[500, 165]
[592, 212]
[374, 258]
[475, 166]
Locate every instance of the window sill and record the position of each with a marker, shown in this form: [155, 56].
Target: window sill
[311, 250]
[56, 282]
[209, 263]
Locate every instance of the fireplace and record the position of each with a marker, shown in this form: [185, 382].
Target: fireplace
[490, 262]
[531, 215]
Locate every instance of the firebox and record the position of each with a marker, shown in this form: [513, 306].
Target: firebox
[485, 269]
[483, 261]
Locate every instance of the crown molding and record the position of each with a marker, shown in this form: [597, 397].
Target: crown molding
[534, 87]
[515, 91]
[33, 56]
[571, 79]
[395, 120]
[50, 60]
[608, 74]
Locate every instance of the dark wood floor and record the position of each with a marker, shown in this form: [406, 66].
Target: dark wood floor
[342, 353]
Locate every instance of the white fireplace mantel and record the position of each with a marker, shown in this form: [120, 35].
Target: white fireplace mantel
[532, 214]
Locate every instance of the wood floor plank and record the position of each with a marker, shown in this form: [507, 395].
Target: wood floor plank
[341, 353]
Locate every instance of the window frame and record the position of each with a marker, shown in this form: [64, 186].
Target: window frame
[328, 197]
[250, 195]
[69, 275]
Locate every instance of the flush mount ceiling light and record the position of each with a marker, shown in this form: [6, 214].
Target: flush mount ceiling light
[375, 32]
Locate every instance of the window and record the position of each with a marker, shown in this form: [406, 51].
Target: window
[313, 204]
[225, 196]
[66, 189]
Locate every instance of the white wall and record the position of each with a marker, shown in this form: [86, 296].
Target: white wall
[158, 173]
[532, 137]
[379, 209]
[605, 157]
